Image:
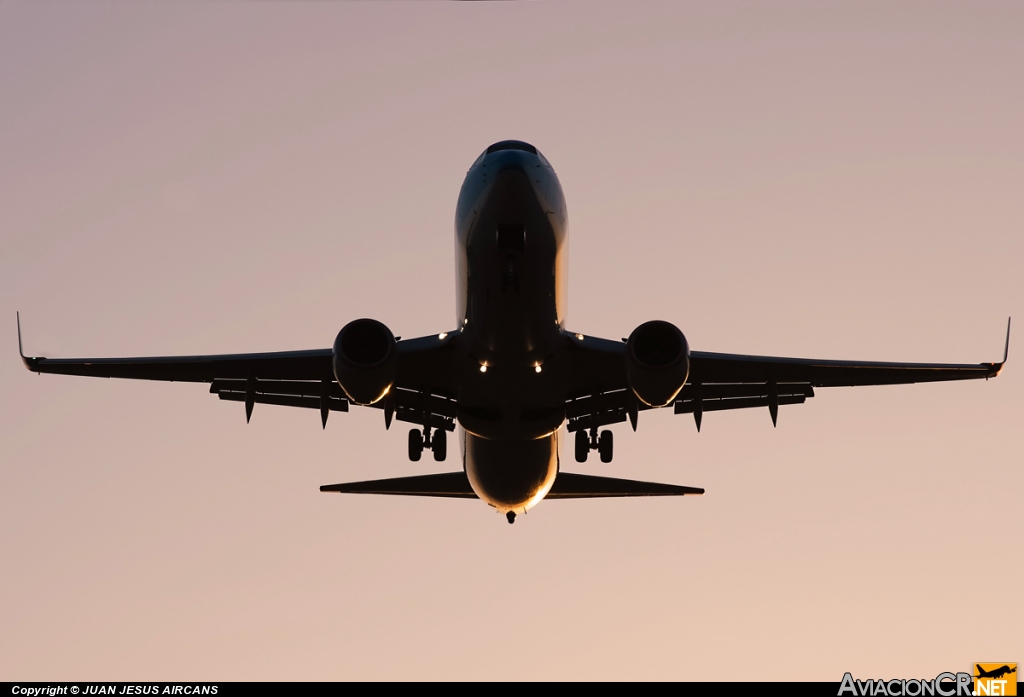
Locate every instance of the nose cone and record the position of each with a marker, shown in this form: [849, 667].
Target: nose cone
[511, 475]
[503, 157]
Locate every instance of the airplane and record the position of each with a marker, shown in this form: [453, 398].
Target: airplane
[995, 673]
[509, 375]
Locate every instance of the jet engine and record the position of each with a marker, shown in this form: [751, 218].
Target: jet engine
[657, 362]
[365, 360]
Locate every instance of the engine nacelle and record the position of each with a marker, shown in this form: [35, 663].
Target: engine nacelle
[657, 362]
[365, 360]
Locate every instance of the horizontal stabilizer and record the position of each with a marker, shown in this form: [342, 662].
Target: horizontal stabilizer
[449, 485]
[585, 486]
[567, 486]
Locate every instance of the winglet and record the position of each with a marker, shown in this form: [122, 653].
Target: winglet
[30, 362]
[1006, 350]
[20, 351]
[998, 367]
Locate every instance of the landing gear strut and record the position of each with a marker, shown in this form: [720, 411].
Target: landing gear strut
[437, 442]
[586, 442]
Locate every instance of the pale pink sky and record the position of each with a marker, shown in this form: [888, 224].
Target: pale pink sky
[832, 180]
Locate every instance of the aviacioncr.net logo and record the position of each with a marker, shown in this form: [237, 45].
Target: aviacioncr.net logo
[943, 685]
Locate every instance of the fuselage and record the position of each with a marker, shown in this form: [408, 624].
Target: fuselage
[511, 248]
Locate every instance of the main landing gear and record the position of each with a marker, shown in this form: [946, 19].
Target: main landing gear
[438, 443]
[585, 442]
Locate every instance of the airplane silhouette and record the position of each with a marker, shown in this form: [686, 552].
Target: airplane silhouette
[509, 373]
[994, 673]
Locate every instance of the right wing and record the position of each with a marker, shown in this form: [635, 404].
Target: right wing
[599, 393]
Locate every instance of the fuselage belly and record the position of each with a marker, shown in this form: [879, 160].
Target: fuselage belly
[511, 259]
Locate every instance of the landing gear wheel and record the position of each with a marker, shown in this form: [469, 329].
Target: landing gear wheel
[604, 446]
[415, 445]
[439, 444]
[582, 446]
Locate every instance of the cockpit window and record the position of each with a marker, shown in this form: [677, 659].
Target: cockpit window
[512, 145]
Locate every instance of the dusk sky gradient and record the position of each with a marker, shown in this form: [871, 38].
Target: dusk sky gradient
[826, 180]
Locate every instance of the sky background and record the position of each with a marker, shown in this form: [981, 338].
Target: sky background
[828, 180]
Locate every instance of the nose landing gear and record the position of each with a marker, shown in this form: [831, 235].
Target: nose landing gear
[438, 443]
[586, 442]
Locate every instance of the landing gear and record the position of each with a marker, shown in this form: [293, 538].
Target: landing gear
[582, 446]
[438, 443]
[415, 445]
[586, 442]
[604, 446]
[511, 517]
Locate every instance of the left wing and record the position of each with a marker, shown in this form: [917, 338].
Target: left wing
[599, 394]
[424, 389]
